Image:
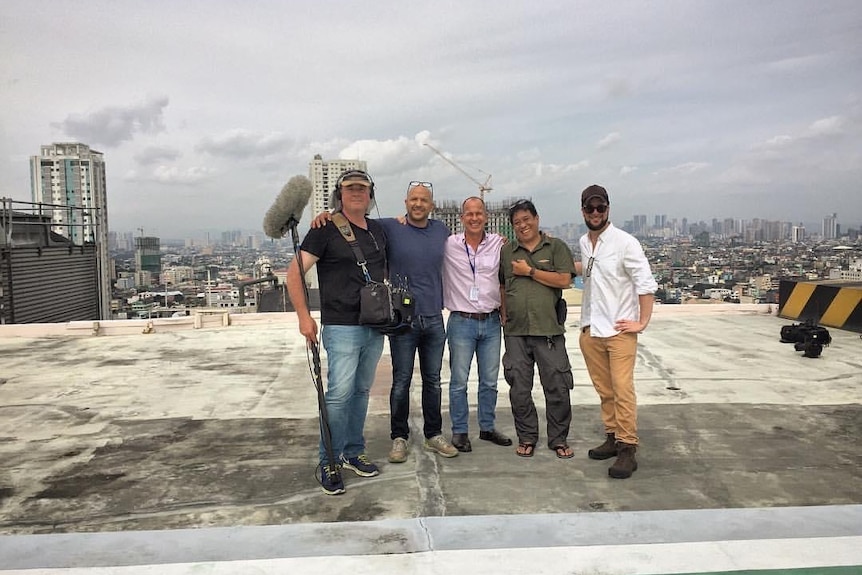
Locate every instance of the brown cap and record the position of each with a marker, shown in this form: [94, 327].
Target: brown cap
[594, 191]
[356, 176]
[355, 181]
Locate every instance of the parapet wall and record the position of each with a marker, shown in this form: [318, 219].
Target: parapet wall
[222, 319]
[827, 303]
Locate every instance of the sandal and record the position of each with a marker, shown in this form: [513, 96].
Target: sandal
[525, 449]
[564, 451]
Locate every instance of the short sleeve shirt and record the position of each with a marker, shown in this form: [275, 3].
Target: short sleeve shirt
[530, 305]
[339, 275]
[416, 255]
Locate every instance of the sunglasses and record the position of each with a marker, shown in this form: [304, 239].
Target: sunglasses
[589, 267]
[415, 183]
[601, 208]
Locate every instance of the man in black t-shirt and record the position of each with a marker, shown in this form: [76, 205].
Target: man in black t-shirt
[352, 350]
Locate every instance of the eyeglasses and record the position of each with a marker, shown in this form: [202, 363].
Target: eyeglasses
[589, 267]
[601, 208]
[520, 204]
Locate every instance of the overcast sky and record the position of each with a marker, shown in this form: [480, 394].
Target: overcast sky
[204, 109]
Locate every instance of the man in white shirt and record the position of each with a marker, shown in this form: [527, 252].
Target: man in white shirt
[617, 305]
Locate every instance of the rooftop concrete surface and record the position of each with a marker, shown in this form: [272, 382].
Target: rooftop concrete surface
[169, 426]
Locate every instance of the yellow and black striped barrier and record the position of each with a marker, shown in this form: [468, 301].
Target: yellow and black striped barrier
[834, 304]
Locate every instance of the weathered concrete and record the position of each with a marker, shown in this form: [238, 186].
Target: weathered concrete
[217, 427]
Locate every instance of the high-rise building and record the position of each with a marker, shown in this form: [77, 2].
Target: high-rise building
[449, 212]
[323, 175]
[69, 180]
[830, 227]
[797, 234]
[71, 175]
[148, 261]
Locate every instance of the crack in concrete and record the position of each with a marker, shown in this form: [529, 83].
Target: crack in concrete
[432, 502]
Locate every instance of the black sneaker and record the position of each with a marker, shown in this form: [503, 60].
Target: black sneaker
[360, 466]
[330, 479]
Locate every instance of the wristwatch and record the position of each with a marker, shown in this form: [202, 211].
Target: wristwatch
[532, 272]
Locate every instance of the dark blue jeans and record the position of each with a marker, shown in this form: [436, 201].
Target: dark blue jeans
[428, 337]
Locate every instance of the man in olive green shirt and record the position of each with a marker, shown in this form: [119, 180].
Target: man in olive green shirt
[533, 272]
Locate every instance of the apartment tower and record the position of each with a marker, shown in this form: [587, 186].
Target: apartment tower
[68, 179]
[148, 261]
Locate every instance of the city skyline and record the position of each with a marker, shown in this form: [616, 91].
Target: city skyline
[809, 229]
[690, 109]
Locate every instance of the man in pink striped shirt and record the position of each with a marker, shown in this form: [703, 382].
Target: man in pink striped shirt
[471, 292]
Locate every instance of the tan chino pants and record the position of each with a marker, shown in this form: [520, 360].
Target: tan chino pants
[611, 365]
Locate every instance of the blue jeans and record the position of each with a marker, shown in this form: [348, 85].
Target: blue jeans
[352, 354]
[428, 336]
[466, 338]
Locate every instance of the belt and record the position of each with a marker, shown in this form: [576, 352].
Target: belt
[479, 316]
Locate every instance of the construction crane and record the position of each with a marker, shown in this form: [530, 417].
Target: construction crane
[483, 187]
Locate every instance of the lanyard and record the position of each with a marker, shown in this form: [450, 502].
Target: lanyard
[471, 261]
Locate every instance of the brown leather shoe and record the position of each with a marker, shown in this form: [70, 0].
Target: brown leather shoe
[462, 442]
[606, 450]
[496, 437]
[626, 464]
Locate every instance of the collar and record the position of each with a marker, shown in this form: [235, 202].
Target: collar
[543, 239]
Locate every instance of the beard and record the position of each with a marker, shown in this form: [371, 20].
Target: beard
[596, 227]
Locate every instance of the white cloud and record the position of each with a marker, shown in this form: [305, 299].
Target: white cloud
[682, 169]
[827, 126]
[393, 155]
[627, 170]
[781, 140]
[155, 154]
[172, 175]
[609, 140]
[798, 64]
[242, 144]
[531, 155]
[540, 169]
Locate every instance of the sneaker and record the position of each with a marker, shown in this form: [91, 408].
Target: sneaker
[441, 445]
[398, 454]
[330, 479]
[360, 466]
